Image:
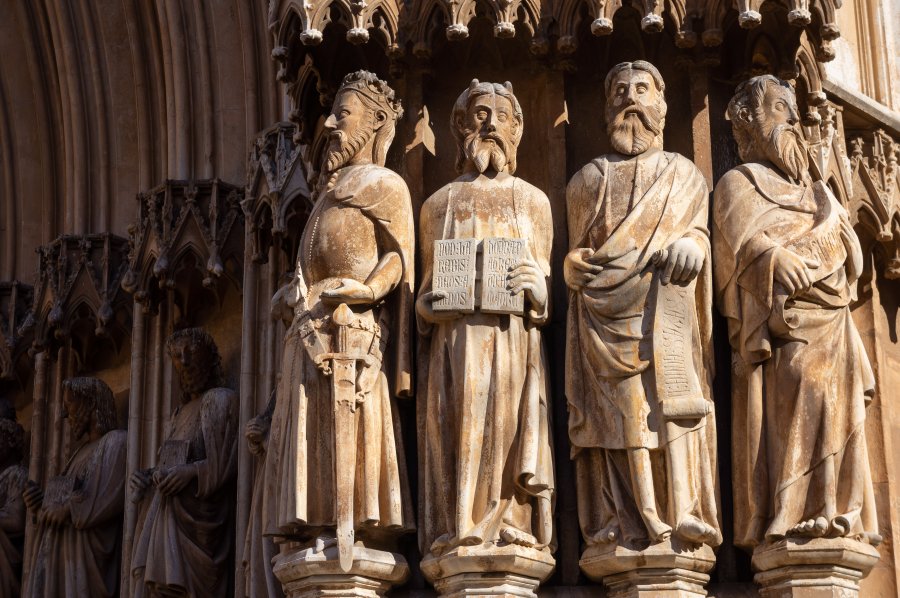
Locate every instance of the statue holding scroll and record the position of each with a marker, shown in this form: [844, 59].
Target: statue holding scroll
[485, 240]
[335, 462]
[13, 476]
[786, 261]
[184, 543]
[79, 513]
[639, 346]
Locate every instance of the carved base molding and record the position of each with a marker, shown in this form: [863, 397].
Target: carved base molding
[814, 568]
[308, 573]
[488, 570]
[661, 570]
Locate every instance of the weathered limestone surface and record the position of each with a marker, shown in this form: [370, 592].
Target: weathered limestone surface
[639, 355]
[335, 469]
[787, 259]
[487, 467]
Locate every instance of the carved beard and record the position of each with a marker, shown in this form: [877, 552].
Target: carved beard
[193, 380]
[342, 147]
[486, 151]
[81, 420]
[633, 130]
[784, 147]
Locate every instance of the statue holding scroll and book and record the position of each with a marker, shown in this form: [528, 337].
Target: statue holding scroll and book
[485, 244]
[639, 354]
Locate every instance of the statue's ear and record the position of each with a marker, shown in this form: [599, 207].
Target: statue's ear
[745, 114]
[380, 118]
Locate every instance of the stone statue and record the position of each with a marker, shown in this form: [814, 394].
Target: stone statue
[335, 461]
[79, 513]
[184, 543]
[639, 347]
[13, 476]
[487, 468]
[786, 262]
[259, 549]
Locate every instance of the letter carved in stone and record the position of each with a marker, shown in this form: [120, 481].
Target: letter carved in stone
[639, 354]
[787, 259]
[79, 512]
[487, 465]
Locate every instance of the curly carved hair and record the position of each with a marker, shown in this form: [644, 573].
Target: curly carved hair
[216, 377]
[97, 396]
[461, 108]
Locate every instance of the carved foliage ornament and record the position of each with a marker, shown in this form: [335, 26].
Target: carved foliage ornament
[180, 218]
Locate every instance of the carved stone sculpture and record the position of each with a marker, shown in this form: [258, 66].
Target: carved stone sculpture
[259, 549]
[79, 513]
[335, 462]
[639, 353]
[13, 476]
[487, 469]
[184, 540]
[786, 262]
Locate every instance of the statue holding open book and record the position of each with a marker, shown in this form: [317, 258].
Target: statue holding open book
[485, 244]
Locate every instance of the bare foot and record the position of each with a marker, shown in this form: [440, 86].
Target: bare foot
[323, 542]
[693, 530]
[512, 535]
[811, 528]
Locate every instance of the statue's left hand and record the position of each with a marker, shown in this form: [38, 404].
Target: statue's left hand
[349, 291]
[528, 277]
[172, 481]
[56, 515]
[683, 263]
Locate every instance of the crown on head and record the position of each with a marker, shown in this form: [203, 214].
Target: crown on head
[374, 89]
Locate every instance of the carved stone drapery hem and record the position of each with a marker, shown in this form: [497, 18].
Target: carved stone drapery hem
[814, 568]
[489, 570]
[308, 573]
[668, 569]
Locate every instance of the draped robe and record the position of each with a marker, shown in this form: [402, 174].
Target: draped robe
[366, 215]
[80, 558]
[610, 387]
[801, 377]
[12, 528]
[186, 539]
[487, 462]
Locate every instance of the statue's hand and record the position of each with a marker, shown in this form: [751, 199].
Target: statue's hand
[349, 291]
[33, 496]
[55, 516]
[682, 261]
[174, 479]
[284, 301]
[426, 311]
[255, 432]
[138, 484]
[793, 271]
[529, 277]
[577, 271]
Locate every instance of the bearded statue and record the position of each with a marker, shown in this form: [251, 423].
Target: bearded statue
[487, 467]
[639, 346]
[184, 540]
[787, 259]
[79, 512]
[335, 461]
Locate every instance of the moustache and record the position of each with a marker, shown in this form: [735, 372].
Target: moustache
[487, 150]
[786, 148]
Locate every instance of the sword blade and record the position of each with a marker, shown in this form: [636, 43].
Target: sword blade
[344, 391]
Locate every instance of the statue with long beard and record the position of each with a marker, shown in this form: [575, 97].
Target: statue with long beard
[639, 346]
[487, 467]
[786, 261]
[335, 463]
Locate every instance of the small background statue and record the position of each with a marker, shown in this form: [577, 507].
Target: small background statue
[786, 262]
[184, 544]
[13, 476]
[79, 513]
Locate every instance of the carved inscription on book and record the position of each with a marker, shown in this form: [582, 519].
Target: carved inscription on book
[499, 256]
[454, 274]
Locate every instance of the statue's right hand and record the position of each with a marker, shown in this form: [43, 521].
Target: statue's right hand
[577, 271]
[255, 432]
[139, 482]
[426, 310]
[33, 496]
[793, 271]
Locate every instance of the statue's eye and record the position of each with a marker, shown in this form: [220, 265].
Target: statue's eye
[344, 113]
[481, 114]
[780, 106]
[502, 117]
[642, 89]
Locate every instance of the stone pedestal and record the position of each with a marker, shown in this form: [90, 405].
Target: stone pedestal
[504, 571]
[309, 573]
[659, 571]
[813, 568]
